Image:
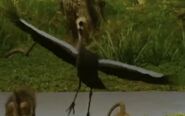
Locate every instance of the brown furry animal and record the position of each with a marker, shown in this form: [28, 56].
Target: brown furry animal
[21, 103]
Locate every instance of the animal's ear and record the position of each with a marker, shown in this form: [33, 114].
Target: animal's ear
[11, 109]
[25, 107]
[10, 106]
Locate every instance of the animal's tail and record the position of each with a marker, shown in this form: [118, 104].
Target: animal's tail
[115, 106]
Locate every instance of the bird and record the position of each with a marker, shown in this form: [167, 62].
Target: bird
[69, 54]
[92, 10]
[87, 65]
[84, 60]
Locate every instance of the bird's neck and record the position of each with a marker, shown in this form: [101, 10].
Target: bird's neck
[80, 43]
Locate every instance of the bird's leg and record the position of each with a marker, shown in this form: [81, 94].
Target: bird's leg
[30, 49]
[90, 96]
[72, 106]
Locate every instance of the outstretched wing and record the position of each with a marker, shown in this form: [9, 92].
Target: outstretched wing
[68, 53]
[131, 72]
[60, 48]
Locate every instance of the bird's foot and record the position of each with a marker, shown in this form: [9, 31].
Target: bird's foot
[71, 108]
[88, 114]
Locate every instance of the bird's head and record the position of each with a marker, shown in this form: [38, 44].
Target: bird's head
[81, 24]
[82, 27]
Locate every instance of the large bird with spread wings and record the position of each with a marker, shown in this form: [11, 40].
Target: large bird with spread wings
[82, 57]
[69, 54]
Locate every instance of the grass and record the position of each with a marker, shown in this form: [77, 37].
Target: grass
[145, 37]
[178, 114]
[150, 36]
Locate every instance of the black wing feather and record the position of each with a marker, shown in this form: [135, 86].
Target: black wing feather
[131, 72]
[60, 48]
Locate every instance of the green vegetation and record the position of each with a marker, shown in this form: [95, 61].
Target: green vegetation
[179, 114]
[150, 36]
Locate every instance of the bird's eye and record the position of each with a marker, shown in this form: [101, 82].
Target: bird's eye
[80, 23]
